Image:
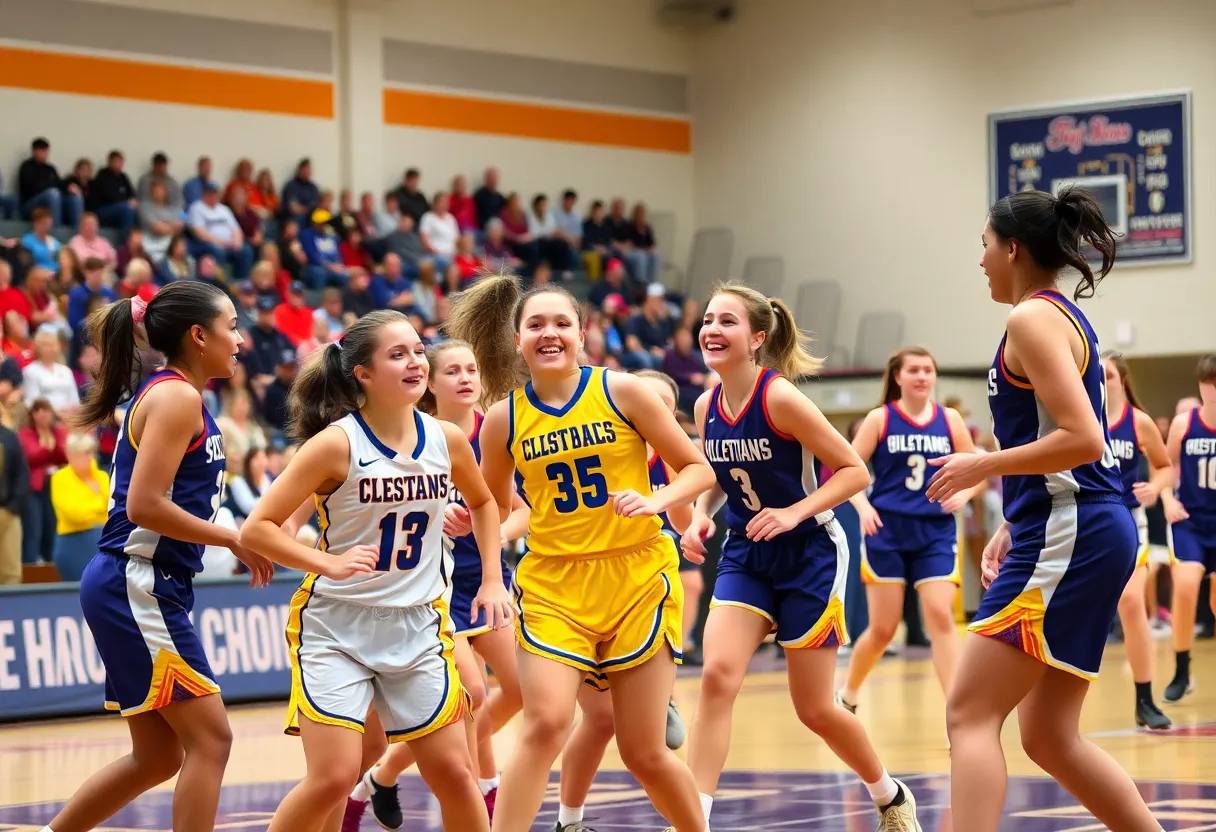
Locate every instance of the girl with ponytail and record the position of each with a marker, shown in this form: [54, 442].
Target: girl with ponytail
[381, 473]
[137, 591]
[1057, 565]
[784, 563]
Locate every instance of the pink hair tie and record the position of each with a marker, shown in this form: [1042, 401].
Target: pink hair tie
[139, 308]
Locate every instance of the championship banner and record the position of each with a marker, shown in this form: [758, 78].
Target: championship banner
[1133, 155]
[49, 666]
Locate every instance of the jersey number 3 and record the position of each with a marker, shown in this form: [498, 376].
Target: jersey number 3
[591, 485]
[750, 498]
[413, 526]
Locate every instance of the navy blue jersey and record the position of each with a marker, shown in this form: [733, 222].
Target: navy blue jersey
[900, 460]
[1197, 480]
[757, 466]
[658, 479]
[198, 488]
[1126, 445]
[466, 557]
[1019, 418]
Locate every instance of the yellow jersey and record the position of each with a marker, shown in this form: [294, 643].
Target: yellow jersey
[568, 460]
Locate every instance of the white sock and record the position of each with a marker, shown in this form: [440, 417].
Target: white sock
[487, 786]
[361, 791]
[884, 791]
[849, 697]
[46, 829]
[567, 815]
[707, 802]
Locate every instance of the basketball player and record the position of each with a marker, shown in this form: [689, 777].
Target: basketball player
[1059, 562]
[381, 472]
[453, 391]
[909, 540]
[585, 749]
[136, 593]
[1192, 516]
[785, 558]
[599, 590]
[1134, 438]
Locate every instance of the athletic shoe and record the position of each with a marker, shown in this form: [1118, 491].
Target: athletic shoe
[489, 798]
[900, 816]
[1148, 715]
[839, 697]
[676, 732]
[386, 804]
[1179, 688]
[353, 815]
[577, 826]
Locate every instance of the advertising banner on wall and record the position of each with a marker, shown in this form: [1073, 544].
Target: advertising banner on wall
[1132, 154]
[49, 665]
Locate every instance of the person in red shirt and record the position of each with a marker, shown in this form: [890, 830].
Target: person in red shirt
[294, 318]
[16, 341]
[461, 205]
[12, 299]
[45, 446]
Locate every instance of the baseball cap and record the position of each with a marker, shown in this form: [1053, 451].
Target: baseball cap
[321, 216]
[245, 287]
[656, 290]
[266, 303]
[614, 263]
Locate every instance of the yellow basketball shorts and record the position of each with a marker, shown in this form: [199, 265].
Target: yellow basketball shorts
[602, 612]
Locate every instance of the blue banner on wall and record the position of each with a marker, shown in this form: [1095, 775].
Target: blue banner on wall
[49, 666]
[1132, 154]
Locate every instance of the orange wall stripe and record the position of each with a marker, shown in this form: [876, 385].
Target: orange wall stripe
[411, 108]
[165, 83]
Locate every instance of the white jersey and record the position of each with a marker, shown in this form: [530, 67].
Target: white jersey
[394, 501]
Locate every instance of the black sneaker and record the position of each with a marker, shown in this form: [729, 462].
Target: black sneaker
[1148, 715]
[577, 826]
[386, 804]
[1180, 687]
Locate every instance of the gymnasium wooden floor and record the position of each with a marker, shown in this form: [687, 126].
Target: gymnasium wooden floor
[778, 776]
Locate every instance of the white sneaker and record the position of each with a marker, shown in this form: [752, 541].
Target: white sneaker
[901, 818]
[840, 703]
[676, 732]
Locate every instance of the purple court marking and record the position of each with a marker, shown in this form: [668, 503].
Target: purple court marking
[746, 802]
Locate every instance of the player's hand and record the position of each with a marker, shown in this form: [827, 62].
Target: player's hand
[870, 521]
[692, 543]
[954, 503]
[1145, 494]
[1175, 512]
[633, 504]
[357, 560]
[958, 472]
[994, 555]
[261, 569]
[771, 522]
[457, 522]
[493, 598]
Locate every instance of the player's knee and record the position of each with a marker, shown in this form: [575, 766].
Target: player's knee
[883, 630]
[818, 716]
[600, 723]
[450, 775]
[545, 730]
[162, 765]
[1128, 601]
[720, 680]
[477, 694]
[333, 781]
[644, 760]
[213, 743]
[939, 619]
[1044, 747]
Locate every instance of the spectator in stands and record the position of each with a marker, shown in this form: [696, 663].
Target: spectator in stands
[615, 282]
[331, 310]
[12, 299]
[159, 220]
[197, 185]
[177, 264]
[515, 229]
[80, 495]
[94, 284]
[209, 271]
[132, 249]
[14, 493]
[246, 489]
[300, 194]
[277, 279]
[569, 223]
[267, 195]
[439, 232]
[411, 200]
[488, 200]
[406, 243]
[387, 220]
[88, 244]
[322, 248]
[43, 248]
[357, 297]
[354, 254]
[318, 338]
[597, 241]
[216, 233]
[241, 432]
[242, 180]
[266, 344]
[392, 288]
[138, 281]
[552, 246]
[293, 317]
[246, 218]
[160, 174]
[462, 206]
[346, 220]
[8, 207]
[467, 259]
[71, 270]
[16, 342]
[427, 293]
[639, 249]
[648, 331]
[291, 251]
[542, 274]
[45, 446]
[274, 400]
[497, 252]
[246, 303]
[44, 307]
[39, 186]
[48, 379]
[112, 196]
[82, 177]
[686, 367]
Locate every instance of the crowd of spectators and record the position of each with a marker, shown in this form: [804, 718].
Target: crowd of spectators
[300, 264]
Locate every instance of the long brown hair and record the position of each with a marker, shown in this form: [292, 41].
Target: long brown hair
[486, 316]
[1116, 358]
[427, 404]
[890, 387]
[786, 348]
